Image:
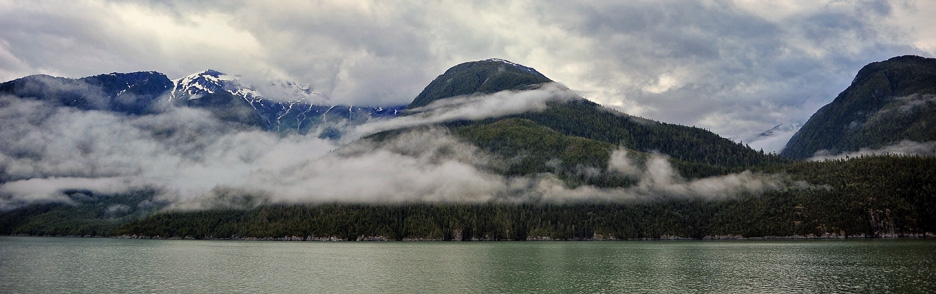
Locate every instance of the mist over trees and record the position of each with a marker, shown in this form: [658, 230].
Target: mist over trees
[492, 151]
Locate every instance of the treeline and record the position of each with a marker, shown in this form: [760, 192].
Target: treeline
[589, 132]
[83, 214]
[435, 221]
[583, 118]
[862, 197]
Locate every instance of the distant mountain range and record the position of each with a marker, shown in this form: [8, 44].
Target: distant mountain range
[283, 107]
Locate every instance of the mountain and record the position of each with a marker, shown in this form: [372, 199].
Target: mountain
[279, 106]
[130, 93]
[774, 139]
[490, 150]
[571, 132]
[288, 108]
[479, 77]
[887, 103]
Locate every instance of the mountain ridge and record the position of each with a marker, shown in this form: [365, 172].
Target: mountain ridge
[225, 96]
[695, 152]
[887, 102]
[479, 77]
[559, 168]
[301, 110]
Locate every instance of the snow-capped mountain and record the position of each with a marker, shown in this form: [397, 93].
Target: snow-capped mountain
[279, 106]
[774, 139]
[283, 106]
[211, 81]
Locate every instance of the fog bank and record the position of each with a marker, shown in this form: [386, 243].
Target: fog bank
[196, 161]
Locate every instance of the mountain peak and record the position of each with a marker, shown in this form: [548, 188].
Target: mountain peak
[483, 76]
[516, 65]
[196, 85]
[213, 73]
[211, 81]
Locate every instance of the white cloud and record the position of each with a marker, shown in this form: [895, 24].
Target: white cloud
[198, 162]
[472, 107]
[183, 151]
[50, 189]
[905, 147]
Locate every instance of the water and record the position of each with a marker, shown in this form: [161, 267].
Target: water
[83, 265]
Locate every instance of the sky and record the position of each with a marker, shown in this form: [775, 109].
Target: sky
[732, 67]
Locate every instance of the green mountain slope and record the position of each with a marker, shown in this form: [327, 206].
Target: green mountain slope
[589, 120]
[698, 152]
[866, 197]
[485, 77]
[575, 140]
[887, 102]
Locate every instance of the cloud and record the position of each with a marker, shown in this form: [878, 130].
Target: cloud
[195, 161]
[473, 107]
[620, 162]
[734, 67]
[421, 165]
[430, 165]
[23, 192]
[905, 147]
[184, 152]
[656, 180]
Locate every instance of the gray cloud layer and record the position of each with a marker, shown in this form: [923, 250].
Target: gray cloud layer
[197, 161]
[735, 67]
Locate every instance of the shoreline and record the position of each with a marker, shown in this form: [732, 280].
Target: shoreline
[529, 239]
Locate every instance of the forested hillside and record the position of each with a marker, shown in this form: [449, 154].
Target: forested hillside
[863, 197]
[542, 163]
[888, 102]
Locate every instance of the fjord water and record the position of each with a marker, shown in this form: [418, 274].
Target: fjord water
[86, 265]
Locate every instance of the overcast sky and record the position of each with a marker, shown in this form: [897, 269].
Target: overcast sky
[733, 67]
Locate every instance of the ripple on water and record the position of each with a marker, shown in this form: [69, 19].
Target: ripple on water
[30, 265]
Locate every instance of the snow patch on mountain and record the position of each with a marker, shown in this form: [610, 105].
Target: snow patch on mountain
[284, 106]
[516, 65]
[196, 85]
[774, 139]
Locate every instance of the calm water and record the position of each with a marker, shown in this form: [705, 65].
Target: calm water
[43, 265]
